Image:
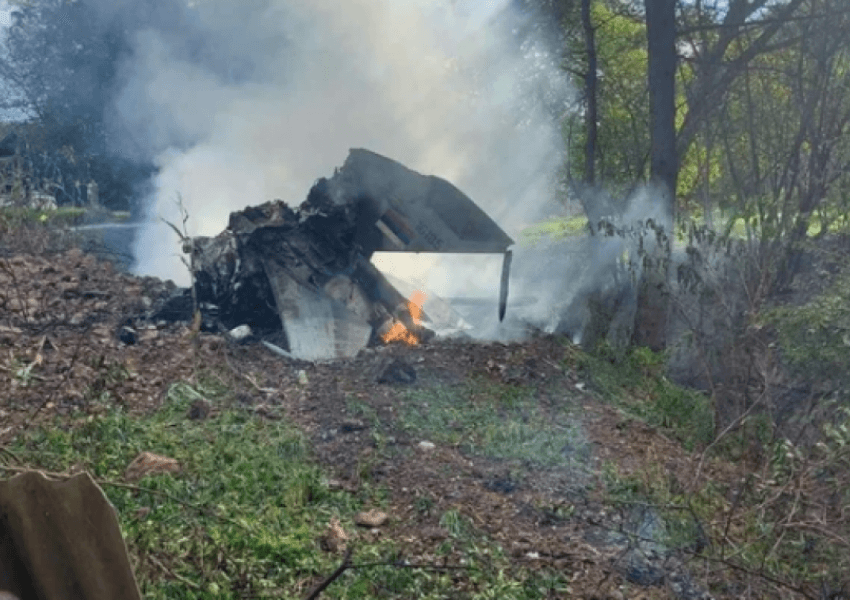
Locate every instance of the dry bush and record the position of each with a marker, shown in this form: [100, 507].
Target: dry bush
[762, 353]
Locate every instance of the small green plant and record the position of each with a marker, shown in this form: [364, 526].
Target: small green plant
[454, 523]
[636, 383]
[245, 515]
[497, 421]
[424, 504]
[815, 337]
[23, 374]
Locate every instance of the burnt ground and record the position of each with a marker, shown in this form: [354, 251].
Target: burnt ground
[60, 314]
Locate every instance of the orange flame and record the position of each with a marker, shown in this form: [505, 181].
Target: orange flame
[400, 333]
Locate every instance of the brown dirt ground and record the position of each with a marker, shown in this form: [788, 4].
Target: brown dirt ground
[59, 317]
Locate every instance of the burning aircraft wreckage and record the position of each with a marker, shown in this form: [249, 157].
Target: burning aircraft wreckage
[305, 278]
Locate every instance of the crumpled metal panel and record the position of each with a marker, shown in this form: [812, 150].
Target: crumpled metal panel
[317, 327]
[309, 268]
[414, 212]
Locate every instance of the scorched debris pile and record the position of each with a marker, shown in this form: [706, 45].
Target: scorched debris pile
[307, 271]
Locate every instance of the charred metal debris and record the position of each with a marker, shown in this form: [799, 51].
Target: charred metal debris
[302, 279]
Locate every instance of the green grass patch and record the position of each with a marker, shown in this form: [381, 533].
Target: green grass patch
[494, 421]
[244, 517]
[554, 229]
[815, 338]
[636, 383]
[65, 216]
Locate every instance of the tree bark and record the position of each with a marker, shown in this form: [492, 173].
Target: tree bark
[651, 318]
[661, 44]
[590, 87]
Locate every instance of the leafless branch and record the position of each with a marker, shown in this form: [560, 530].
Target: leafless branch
[346, 563]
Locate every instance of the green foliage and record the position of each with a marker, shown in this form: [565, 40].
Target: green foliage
[246, 513]
[636, 382]
[553, 229]
[815, 337]
[497, 421]
[623, 101]
[236, 518]
[656, 510]
[12, 217]
[772, 533]
[623, 141]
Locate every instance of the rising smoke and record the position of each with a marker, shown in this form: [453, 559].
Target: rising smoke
[271, 94]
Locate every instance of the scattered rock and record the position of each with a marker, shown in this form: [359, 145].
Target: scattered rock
[199, 410]
[127, 335]
[241, 333]
[425, 445]
[350, 425]
[371, 518]
[502, 485]
[397, 371]
[335, 485]
[148, 463]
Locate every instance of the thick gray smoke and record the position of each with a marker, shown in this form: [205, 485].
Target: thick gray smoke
[275, 92]
[566, 277]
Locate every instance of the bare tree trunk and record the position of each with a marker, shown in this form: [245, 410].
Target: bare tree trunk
[590, 81]
[661, 38]
[651, 318]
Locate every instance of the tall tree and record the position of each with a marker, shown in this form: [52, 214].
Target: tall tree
[66, 61]
[590, 81]
[661, 47]
[716, 64]
[651, 318]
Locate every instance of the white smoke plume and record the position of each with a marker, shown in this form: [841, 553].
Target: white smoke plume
[281, 89]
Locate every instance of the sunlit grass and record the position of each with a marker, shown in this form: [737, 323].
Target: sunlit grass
[244, 517]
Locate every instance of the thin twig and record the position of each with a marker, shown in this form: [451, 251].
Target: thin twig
[346, 563]
[180, 578]
[729, 428]
[401, 565]
[761, 574]
[62, 383]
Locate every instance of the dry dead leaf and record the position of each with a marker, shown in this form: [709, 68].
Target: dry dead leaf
[148, 463]
[335, 537]
[371, 518]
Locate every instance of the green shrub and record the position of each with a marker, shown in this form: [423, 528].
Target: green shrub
[815, 338]
[636, 382]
